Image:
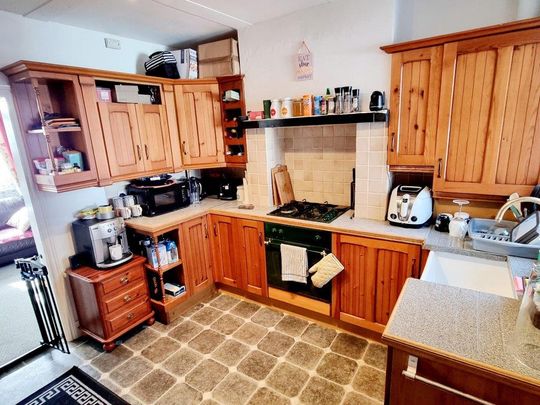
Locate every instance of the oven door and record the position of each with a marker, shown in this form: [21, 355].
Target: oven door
[273, 272]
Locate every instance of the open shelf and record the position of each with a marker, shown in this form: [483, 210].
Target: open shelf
[331, 119]
[163, 269]
[54, 130]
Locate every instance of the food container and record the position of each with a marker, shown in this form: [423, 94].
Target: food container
[297, 107]
[307, 105]
[104, 94]
[275, 109]
[287, 108]
[317, 105]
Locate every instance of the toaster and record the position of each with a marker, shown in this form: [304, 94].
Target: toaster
[410, 206]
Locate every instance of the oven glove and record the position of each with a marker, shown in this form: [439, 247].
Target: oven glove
[325, 270]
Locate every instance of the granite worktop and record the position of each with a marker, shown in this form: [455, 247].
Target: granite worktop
[346, 223]
[465, 325]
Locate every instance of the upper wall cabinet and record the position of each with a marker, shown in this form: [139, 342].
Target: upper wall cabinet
[199, 120]
[414, 102]
[489, 123]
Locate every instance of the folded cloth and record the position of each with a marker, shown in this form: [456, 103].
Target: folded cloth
[294, 263]
[325, 270]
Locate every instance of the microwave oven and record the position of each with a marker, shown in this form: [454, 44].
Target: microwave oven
[160, 199]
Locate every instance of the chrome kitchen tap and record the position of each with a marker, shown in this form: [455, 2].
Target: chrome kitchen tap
[505, 207]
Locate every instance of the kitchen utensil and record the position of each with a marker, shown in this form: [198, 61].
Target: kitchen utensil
[275, 194]
[376, 102]
[129, 201]
[136, 210]
[458, 227]
[227, 190]
[123, 212]
[115, 252]
[527, 231]
[353, 188]
[410, 206]
[195, 190]
[461, 213]
[284, 187]
[442, 223]
[240, 193]
[117, 202]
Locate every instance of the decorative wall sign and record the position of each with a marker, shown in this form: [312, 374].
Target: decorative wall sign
[304, 63]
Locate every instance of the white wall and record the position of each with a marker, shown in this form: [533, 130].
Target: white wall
[344, 37]
[24, 38]
[417, 19]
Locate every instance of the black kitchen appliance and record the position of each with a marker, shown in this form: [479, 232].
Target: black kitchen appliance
[227, 190]
[442, 223]
[316, 242]
[376, 102]
[310, 211]
[159, 199]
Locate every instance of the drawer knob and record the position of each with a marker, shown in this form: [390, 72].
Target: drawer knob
[124, 280]
[127, 298]
[130, 316]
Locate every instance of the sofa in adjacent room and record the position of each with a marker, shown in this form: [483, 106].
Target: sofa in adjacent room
[16, 238]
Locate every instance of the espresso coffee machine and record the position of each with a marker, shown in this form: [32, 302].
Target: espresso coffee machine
[96, 240]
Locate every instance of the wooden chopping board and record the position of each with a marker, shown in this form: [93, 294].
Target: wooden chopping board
[284, 187]
[275, 195]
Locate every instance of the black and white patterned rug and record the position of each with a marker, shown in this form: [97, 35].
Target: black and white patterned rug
[74, 387]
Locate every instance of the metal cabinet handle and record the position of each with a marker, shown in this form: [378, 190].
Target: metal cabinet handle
[146, 152]
[392, 142]
[184, 148]
[260, 239]
[127, 298]
[411, 373]
[439, 164]
[139, 152]
[130, 316]
[215, 230]
[124, 280]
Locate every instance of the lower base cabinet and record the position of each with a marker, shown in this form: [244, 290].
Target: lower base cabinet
[239, 254]
[195, 253]
[446, 382]
[365, 292]
[110, 303]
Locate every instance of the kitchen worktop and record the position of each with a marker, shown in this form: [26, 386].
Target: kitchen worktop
[343, 224]
[463, 325]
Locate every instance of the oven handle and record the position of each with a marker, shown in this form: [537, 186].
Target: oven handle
[321, 252]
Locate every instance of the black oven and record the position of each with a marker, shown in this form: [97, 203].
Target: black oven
[159, 199]
[316, 242]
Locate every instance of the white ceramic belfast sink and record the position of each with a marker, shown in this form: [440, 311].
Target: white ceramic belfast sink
[474, 273]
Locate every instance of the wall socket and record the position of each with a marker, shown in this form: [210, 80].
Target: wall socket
[112, 43]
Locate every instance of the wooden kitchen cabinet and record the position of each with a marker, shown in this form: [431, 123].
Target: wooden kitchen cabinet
[365, 292]
[195, 252]
[414, 103]
[199, 119]
[239, 254]
[224, 251]
[252, 256]
[136, 139]
[402, 389]
[488, 138]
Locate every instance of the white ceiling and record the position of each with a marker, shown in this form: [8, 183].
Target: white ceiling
[168, 22]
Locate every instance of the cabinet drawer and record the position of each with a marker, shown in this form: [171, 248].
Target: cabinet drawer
[123, 279]
[126, 298]
[128, 317]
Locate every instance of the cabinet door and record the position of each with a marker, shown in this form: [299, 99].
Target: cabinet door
[199, 116]
[154, 137]
[489, 127]
[224, 251]
[122, 139]
[252, 256]
[375, 271]
[195, 251]
[414, 101]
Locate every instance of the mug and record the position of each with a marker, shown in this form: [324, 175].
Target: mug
[104, 209]
[129, 201]
[458, 228]
[116, 252]
[136, 210]
[123, 212]
[117, 202]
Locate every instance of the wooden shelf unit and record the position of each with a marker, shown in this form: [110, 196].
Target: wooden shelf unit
[37, 93]
[163, 269]
[230, 113]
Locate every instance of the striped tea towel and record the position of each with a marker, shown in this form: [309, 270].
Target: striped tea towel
[294, 263]
[325, 270]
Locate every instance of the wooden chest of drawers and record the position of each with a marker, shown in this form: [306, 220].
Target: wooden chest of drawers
[111, 302]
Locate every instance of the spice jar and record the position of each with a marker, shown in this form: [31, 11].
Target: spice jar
[287, 108]
[275, 109]
[297, 107]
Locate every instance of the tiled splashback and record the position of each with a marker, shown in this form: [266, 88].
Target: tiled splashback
[320, 161]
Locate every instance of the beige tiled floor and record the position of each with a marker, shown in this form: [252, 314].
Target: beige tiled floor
[230, 351]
